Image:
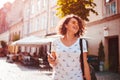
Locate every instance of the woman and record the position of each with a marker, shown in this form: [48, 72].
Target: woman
[66, 51]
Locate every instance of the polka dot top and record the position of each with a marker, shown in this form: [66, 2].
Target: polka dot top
[68, 65]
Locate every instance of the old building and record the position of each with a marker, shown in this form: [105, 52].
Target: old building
[106, 28]
[15, 20]
[3, 23]
[39, 17]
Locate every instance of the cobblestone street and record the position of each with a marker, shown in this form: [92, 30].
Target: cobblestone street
[16, 71]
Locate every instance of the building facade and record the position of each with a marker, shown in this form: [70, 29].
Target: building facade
[39, 17]
[15, 20]
[3, 23]
[106, 28]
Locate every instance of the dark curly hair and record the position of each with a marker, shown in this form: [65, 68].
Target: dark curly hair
[62, 29]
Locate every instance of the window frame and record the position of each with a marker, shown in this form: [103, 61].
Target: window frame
[108, 7]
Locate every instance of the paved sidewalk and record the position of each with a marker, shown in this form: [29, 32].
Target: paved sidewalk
[16, 71]
[107, 76]
[13, 71]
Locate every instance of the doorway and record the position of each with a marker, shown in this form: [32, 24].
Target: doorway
[113, 54]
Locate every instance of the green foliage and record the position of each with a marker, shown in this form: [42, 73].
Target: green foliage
[101, 53]
[81, 8]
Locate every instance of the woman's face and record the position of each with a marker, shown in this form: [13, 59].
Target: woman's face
[72, 26]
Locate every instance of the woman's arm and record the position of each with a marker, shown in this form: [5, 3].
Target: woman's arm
[52, 60]
[86, 67]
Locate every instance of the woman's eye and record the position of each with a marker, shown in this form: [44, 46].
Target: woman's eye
[74, 22]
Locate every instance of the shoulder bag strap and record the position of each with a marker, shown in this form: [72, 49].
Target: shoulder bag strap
[81, 56]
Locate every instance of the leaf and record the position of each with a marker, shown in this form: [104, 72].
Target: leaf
[81, 8]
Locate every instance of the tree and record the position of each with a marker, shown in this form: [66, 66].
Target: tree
[101, 53]
[81, 8]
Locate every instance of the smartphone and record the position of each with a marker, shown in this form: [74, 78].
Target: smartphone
[50, 56]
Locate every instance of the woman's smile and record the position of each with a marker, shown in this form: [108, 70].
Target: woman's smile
[73, 25]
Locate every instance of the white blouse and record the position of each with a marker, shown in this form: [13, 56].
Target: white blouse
[68, 65]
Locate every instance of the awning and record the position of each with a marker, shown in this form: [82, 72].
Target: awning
[33, 41]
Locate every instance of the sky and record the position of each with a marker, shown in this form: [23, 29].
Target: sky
[4, 1]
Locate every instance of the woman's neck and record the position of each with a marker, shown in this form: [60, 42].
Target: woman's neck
[70, 37]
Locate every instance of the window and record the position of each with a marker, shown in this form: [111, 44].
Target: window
[43, 4]
[53, 19]
[32, 7]
[27, 12]
[110, 7]
[113, 8]
[38, 3]
[107, 1]
[107, 9]
[53, 2]
[37, 22]
[44, 21]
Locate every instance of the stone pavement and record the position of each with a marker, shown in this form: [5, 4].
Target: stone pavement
[15, 71]
[107, 76]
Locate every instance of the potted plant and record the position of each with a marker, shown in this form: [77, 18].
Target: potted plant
[101, 56]
[4, 49]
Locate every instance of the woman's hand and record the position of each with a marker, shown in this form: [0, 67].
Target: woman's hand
[52, 59]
